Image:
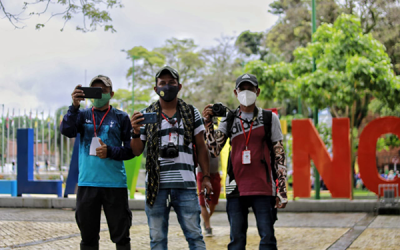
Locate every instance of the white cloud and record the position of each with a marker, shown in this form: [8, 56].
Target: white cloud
[39, 69]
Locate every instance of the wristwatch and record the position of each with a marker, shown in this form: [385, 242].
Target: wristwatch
[133, 135]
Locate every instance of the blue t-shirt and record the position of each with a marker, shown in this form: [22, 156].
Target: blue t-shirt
[114, 132]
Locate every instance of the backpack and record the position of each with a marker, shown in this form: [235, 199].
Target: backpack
[267, 119]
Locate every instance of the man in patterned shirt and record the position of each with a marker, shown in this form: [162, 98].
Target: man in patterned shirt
[250, 181]
[170, 176]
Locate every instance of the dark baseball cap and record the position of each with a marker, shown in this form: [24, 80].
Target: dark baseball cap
[105, 79]
[170, 70]
[247, 78]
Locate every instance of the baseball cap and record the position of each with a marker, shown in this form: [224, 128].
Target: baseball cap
[105, 79]
[247, 78]
[170, 70]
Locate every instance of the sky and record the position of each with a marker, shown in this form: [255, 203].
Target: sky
[40, 69]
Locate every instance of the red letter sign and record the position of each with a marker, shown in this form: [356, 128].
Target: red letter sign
[367, 150]
[335, 171]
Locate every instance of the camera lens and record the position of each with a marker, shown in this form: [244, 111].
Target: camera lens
[219, 110]
[216, 108]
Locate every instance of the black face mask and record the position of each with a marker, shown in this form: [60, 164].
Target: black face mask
[168, 92]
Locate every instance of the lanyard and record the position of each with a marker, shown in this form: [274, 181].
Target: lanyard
[101, 122]
[244, 133]
[173, 129]
[168, 120]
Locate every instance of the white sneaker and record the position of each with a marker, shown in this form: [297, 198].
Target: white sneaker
[208, 232]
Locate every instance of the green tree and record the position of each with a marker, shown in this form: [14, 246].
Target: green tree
[387, 142]
[293, 28]
[277, 86]
[223, 65]
[250, 43]
[379, 17]
[94, 12]
[123, 99]
[379, 107]
[184, 56]
[352, 67]
[181, 54]
[146, 65]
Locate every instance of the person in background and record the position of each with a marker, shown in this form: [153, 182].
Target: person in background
[37, 166]
[208, 204]
[391, 175]
[13, 166]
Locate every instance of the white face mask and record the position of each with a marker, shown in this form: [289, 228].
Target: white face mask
[247, 97]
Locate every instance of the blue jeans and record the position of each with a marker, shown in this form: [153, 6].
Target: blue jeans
[265, 213]
[187, 209]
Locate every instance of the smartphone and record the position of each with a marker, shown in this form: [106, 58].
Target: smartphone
[149, 118]
[92, 92]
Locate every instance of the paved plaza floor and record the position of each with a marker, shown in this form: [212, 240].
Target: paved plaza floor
[25, 228]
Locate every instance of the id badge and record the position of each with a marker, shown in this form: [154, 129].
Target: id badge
[95, 144]
[173, 137]
[246, 157]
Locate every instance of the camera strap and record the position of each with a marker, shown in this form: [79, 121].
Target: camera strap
[255, 115]
[174, 134]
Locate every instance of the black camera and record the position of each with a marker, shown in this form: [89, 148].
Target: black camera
[219, 110]
[169, 151]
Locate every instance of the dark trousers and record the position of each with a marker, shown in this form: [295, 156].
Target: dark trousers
[265, 213]
[88, 211]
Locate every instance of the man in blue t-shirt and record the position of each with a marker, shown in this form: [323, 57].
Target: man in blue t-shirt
[170, 176]
[104, 145]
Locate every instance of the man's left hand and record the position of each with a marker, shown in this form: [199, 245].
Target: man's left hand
[206, 183]
[279, 204]
[101, 151]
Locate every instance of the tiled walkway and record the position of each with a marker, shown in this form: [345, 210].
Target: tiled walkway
[56, 229]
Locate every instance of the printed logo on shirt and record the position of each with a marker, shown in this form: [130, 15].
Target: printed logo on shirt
[111, 124]
[237, 127]
[88, 121]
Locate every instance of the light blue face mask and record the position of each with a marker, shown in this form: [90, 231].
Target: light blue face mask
[98, 103]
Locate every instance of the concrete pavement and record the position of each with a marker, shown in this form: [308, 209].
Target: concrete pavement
[301, 205]
[32, 228]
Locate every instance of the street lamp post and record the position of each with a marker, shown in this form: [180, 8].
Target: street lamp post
[314, 28]
[133, 82]
[133, 165]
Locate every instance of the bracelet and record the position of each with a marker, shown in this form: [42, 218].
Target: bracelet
[209, 177]
[134, 135]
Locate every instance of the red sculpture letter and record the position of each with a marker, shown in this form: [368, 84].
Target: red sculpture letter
[367, 150]
[308, 145]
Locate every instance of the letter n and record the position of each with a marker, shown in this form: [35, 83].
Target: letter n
[334, 171]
